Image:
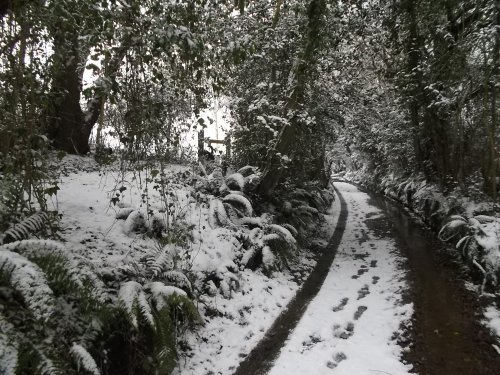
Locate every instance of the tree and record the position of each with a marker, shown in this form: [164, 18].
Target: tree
[298, 81]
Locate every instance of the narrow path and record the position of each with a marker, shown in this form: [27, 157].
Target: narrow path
[261, 358]
[381, 270]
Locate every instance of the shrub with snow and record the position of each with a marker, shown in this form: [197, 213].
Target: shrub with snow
[56, 289]
[235, 181]
[478, 239]
[135, 223]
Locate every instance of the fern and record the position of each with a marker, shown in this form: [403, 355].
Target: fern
[29, 280]
[239, 202]
[84, 360]
[154, 310]
[235, 182]
[161, 292]
[8, 348]
[217, 215]
[44, 364]
[67, 272]
[25, 228]
[131, 296]
[178, 279]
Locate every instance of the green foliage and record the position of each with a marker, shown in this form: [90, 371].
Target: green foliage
[47, 315]
[154, 313]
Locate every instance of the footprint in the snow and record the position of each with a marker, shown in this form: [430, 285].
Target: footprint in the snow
[341, 305]
[345, 333]
[375, 279]
[363, 292]
[359, 312]
[373, 263]
[361, 271]
[337, 358]
[361, 256]
[310, 342]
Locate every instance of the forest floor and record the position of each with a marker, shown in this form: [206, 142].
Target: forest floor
[390, 303]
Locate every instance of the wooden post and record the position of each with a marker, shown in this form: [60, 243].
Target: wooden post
[201, 146]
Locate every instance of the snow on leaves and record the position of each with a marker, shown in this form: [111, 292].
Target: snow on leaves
[84, 359]
[29, 280]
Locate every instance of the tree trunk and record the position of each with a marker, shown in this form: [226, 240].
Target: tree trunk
[298, 80]
[69, 127]
[494, 79]
[66, 116]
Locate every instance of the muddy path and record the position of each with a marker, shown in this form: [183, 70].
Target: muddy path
[445, 337]
[261, 358]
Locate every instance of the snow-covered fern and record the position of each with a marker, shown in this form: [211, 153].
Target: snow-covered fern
[160, 293]
[30, 282]
[235, 181]
[217, 214]
[239, 202]
[27, 227]
[134, 301]
[8, 348]
[62, 267]
[84, 360]
[479, 242]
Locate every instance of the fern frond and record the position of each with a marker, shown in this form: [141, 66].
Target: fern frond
[8, 348]
[44, 364]
[160, 260]
[239, 202]
[127, 297]
[283, 233]
[30, 281]
[217, 215]
[145, 308]
[268, 258]
[161, 292]
[186, 307]
[63, 268]
[25, 228]
[132, 297]
[178, 279]
[236, 181]
[84, 360]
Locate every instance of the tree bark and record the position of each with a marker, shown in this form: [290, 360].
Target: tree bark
[69, 126]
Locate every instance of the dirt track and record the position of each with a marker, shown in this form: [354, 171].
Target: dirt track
[445, 337]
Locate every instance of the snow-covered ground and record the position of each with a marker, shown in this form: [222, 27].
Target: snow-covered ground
[236, 313]
[226, 339]
[352, 324]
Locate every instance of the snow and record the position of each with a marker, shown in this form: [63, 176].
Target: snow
[84, 359]
[129, 295]
[351, 324]
[29, 280]
[241, 201]
[492, 316]
[238, 326]
[235, 181]
[8, 349]
[349, 328]
[237, 305]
